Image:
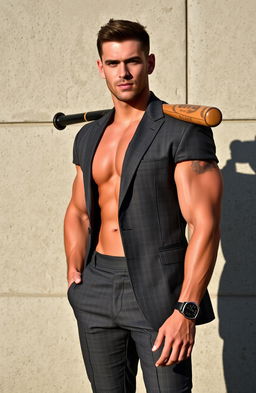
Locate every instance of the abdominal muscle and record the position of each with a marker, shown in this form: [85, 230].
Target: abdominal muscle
[106, 172]
[110, 241]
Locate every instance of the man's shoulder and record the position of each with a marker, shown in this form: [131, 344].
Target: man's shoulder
[172, 123]
[189, 141]
[179, 127]
[177, 123]
[89, 128]
[84, 130]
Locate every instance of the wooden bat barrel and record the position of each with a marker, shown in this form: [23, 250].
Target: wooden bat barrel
[198, 114]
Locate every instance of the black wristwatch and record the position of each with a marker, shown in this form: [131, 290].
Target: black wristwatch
[190, 310]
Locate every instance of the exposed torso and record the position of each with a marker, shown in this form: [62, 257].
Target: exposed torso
[106, 172]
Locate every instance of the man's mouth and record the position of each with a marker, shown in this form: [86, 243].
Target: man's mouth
[125, 85]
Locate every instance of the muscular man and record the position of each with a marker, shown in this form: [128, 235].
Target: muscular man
[136, 286]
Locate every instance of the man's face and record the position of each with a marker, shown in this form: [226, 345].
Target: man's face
[125, 67]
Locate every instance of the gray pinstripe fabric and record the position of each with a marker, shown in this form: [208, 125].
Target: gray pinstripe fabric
[114, 332]
[151, 225]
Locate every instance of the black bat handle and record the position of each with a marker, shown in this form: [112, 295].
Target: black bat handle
[60, 120]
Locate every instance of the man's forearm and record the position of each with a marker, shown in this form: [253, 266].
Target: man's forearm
[199, 263]
[75, 240]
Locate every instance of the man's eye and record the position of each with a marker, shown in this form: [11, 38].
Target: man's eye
[134, 61]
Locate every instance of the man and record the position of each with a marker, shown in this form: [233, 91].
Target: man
[136, 287]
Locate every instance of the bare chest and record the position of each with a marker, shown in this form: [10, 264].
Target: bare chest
[110, 153]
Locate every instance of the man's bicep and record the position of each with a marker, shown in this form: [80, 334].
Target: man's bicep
[78, 195]
[199, 188]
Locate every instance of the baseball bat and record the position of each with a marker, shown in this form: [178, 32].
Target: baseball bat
[198, 114]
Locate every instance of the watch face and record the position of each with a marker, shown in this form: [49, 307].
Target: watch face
[191, 310]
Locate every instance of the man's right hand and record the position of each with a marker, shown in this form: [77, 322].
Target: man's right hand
[74, 277]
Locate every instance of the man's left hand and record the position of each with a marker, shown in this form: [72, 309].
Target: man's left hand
[178, 334]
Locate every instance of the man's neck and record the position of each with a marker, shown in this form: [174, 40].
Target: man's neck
[128, 112]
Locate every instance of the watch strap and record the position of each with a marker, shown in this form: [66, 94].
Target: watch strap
[182, 307]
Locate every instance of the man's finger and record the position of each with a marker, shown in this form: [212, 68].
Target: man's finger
[158, 340]
[183, 355]
[165, 353]
[78, 280]
[174, 355]
[189, 351]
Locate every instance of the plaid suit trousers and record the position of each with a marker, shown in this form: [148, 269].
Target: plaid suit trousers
[114, 333]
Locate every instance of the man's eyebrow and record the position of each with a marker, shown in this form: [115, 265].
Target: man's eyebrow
[134, 58]
[111, 61]
[130, 59]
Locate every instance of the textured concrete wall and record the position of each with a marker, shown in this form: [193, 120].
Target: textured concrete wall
[205, 54]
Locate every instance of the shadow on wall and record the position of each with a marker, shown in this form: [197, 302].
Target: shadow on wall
[237, 289]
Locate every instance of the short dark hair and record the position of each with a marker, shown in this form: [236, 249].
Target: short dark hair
[121, 30]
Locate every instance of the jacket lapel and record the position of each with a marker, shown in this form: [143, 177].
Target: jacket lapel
[144, 135]
[146, 132]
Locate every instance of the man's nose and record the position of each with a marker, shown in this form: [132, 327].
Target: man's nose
[124, 72]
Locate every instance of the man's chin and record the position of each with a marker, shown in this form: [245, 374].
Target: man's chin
[127, 97]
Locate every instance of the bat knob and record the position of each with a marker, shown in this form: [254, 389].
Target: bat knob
[57, 121]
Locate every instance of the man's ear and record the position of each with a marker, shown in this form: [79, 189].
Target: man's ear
[100, 68]
[151, 63]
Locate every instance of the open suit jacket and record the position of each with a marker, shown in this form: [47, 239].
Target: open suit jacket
[151, 225]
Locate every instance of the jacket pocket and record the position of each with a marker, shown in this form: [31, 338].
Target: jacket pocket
[173, 255]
